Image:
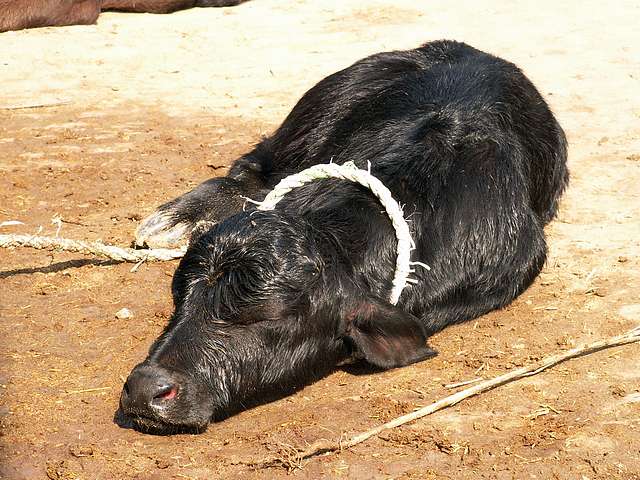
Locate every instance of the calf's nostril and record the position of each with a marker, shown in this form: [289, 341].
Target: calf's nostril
[147, 389]
[166, 392]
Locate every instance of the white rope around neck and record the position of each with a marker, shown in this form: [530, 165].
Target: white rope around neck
[349, 171]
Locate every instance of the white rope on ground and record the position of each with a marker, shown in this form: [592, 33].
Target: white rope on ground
[91, 248]
[349, 171]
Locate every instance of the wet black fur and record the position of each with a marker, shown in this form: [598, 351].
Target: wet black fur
[268, 301]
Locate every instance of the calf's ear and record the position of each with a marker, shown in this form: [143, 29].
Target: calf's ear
[385, 336]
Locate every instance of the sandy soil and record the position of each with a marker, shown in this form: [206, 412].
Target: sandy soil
[148, 106]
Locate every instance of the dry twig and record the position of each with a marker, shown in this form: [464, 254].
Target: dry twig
[35, 105]
[327, 446]
[87, 390]
[462, 384]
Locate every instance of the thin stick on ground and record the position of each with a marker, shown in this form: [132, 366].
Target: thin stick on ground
[91, 248]
[327, 446]
[88, 390]
[462, 384]
[35, 105]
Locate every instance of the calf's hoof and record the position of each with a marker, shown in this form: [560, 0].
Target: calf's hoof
[161, 230]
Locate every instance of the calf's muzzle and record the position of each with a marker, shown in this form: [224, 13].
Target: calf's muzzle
[148, 391]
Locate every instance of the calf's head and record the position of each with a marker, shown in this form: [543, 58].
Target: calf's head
[264, 303]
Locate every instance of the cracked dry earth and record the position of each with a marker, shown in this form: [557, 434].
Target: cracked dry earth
[99, 124]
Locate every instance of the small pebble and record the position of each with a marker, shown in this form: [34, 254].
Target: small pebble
[124, 313]
[162, 463]
[81, 450]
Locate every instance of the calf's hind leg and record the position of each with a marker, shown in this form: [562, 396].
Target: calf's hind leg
[464, 303]
[463, 297]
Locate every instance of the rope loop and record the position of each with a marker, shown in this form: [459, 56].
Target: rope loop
[349, 171]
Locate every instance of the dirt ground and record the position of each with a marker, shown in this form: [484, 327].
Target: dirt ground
[100, 124]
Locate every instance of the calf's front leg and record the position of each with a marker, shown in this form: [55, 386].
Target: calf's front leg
[171, 224]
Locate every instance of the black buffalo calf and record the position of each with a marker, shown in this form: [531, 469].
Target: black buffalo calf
[265, 302]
